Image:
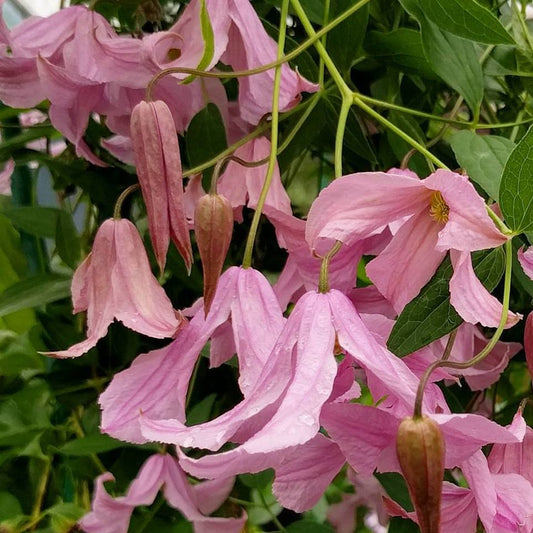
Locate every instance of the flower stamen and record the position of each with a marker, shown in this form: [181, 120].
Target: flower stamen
[438, 209]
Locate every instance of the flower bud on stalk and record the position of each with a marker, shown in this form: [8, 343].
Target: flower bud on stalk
[213, 227]
[158, 162]
[420, 449]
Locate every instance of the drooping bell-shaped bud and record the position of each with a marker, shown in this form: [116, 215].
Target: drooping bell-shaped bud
[213, 227]
[420, 449]
[158, 162]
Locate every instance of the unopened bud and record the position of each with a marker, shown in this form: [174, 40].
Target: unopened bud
[213, 227]
[420, 449]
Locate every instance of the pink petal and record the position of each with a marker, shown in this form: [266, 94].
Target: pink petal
[276, 377]
[464, 434]
[528, 343]
[45, 35]
[526, 260]
[5, 177]
[515, 457]
[141, 303]
[366, 435]
[469, 227]
[470, 299]
[20, 84]
[356, 206]
[156, 384]
[357, 340]
[255, 303]
[408, 262]
[250, 46]
[242, 185]
[305, 472]
[296, 420]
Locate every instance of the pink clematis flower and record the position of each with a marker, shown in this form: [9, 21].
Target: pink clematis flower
[283, 407]
[440, 213]
[156, 383]
[367, 435]
[250, 46]
[158, 162]
[115, 281]
[162, 472]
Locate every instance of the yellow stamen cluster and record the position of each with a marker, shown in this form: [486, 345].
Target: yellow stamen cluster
[438, 209]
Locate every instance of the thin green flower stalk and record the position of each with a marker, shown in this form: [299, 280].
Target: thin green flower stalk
[248, 252]
[444, 363]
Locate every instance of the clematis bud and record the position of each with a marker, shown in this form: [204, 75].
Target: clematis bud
[420, 449]
[158, 162]
[213, 227]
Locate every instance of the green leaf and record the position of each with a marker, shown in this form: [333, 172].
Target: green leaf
[259, 480]
[67, 240]
[395, 486]
[516, 188]
[430, 315]
[401, 48]
[9, 506]
[63, 516]
[201, 411]
[90, 444]
[454, 59]
[308, 526]
[17, 353]
[354, 26]
[483, 157]
[34, 291]
[468, 19]
[39, 221]
[24, 414]
[402, 525]
[206, 135]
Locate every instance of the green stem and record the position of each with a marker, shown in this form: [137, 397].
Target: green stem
[323, 282]
[415, 144]
[490, 345]
[121, 198]
[310, 103]
[41, 489]
[339, 135]
[437, 118]
[323, 41]
[263, 68]
[247, 259]
[346, 92]
[322, 52]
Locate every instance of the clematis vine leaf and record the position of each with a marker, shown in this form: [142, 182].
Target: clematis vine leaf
[454, 59]
[483, 157]
[430, 315]
[206, 135]
[34, 291]
[467, 19]
[355, 25]
[516, 188]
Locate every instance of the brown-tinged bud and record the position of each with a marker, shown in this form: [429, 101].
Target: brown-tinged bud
[213, 227]
[420, 449]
